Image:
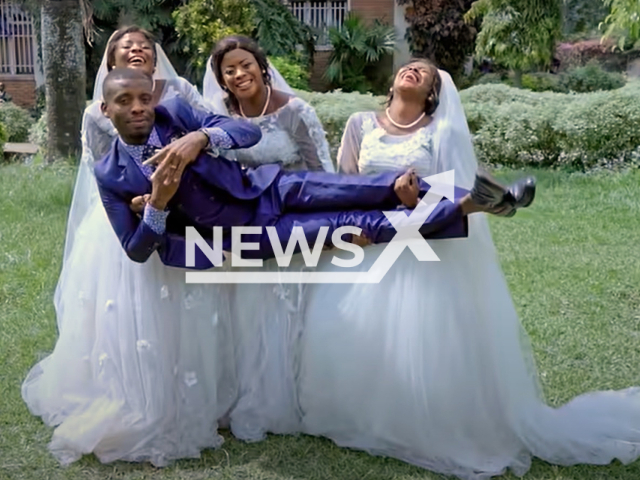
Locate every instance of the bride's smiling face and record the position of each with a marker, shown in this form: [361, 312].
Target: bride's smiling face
[414, 77]
[134, 50]
[241, 74]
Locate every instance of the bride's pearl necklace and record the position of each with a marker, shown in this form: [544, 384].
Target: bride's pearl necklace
[395, 124]
[266, 104]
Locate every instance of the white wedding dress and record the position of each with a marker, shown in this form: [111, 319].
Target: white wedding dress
[431, 365]
[144, 365]
[268, 317]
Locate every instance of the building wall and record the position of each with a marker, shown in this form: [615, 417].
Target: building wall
[321, 62]
[21, 88]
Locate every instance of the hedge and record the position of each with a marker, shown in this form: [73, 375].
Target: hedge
[521, 128]
[516, 127]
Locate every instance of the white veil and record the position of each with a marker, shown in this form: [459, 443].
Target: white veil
[453, 147]
[213, 93]
[85, 194]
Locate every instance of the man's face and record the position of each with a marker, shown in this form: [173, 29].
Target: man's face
[129, 106]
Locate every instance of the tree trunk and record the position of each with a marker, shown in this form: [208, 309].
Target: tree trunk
[64, 68]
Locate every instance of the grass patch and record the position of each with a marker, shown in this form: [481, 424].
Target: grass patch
[571, 261]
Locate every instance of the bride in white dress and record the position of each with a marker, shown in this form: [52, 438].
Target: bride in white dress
[267, 318]
[143, 367]
[431, 365]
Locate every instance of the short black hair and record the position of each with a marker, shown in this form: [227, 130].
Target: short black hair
[122, 74]
[117, 36]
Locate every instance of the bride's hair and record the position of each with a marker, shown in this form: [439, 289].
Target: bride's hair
[229, 44]
[433, 96]
[117, 36]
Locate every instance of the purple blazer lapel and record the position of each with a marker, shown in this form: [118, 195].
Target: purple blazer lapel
[130, 173]
[167, 129]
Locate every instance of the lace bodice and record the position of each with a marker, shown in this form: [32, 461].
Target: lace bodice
[292, 136]
[367, 148]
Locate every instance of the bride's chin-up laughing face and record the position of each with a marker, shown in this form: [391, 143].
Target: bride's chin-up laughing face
[416, 77]
[241, 74]
[134, 50]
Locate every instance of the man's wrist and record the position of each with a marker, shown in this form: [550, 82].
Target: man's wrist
[157, 204]
[205, 138]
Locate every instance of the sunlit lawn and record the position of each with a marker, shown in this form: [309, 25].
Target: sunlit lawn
[572, 261]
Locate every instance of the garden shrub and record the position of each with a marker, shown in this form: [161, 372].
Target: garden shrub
[38, 133]
[579, 131]
[521, 128]
[590, 78]
[543, 82]
[294, 72]
[16, 121]
[3, 137]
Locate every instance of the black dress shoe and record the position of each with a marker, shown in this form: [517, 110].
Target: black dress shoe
[520, 195]
[500, 200]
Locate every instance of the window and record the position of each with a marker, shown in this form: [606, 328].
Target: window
[320, 16]
[17, 40]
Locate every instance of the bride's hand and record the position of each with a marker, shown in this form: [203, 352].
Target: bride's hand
[138, 203]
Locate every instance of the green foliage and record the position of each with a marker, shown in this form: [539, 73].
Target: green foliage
[38, 134]
[580, 131]
[519, 34]
[279, 31]
[16, 121]
[202, 23]
[591, 78]
[437, 30]
[520, 128]
[623, 21]
[3, 136]
[356, 48]
[294, 72]
[150, 14]
[582, 17]
[542, 82]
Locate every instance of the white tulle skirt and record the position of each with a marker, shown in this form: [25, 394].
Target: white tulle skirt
[432, 366]
[268, 326]
[143, 368]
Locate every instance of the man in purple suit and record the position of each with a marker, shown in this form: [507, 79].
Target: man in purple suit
[194, 186]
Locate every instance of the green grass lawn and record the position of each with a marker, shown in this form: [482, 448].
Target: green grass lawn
[572, 261]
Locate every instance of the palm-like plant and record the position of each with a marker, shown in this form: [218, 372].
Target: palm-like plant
[356, 47]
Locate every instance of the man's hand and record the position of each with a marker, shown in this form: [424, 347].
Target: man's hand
[361, 240]
[181, 152]
[407, 189]
[138, 203]
[164, 185]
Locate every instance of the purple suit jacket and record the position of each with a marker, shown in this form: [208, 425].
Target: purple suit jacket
[212, 191]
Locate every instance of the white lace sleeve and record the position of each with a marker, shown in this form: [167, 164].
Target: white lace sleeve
[311, 138]
[349, 151]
